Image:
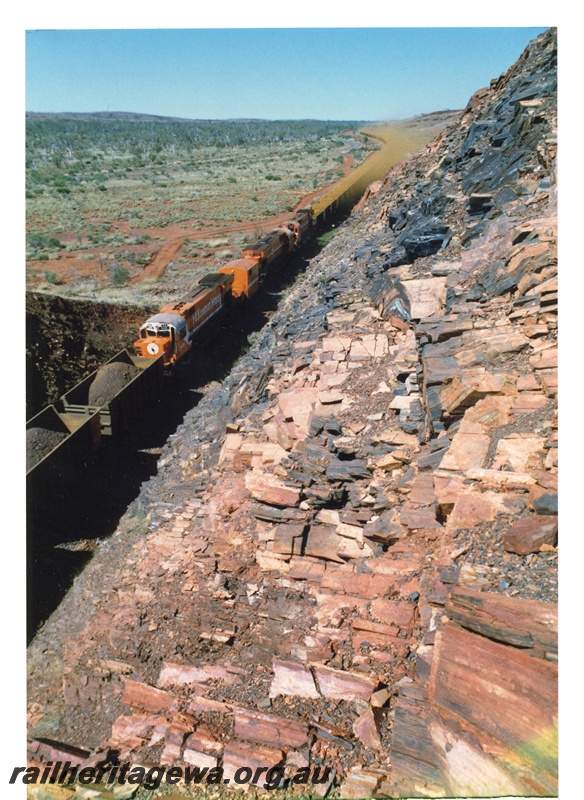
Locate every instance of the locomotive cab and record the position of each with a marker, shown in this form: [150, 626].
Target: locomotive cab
[161, 334]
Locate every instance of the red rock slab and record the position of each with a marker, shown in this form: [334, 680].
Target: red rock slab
[330, 396]
[305, 569]
[378, 640]
[174, 732]
[203, 740]
[381, 628]
[519, 452]
[471, 508]
[297, 404]
[546, 479]
[288, 539]
[388, 564]
[170, 754]
[268, 489]
[407, 587]
[200, 703]
[362, 584]
[492, 412]
[365, 729]
[339, 685]
[512, 620]
[549, 380]
[527, 383]
[335, 344]
[461, 393]
[198, 759]
[393, 612]
[427, 296]
[258, 727]
[418, 518]
[238, 755]
[323, 542]
[423, 489]
[291, 678]
[469, 448]
[140, 695]
[132, 731]
[548, 359]
[536, 254]
[501, 479]
[447, 487]
[527, 535]
[506, 702]
[529, 401]
[359, 783]
[182, 675]
[333, 608]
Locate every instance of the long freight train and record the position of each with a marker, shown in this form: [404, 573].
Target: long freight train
[171, 332]
[56, 442]
[166, 338]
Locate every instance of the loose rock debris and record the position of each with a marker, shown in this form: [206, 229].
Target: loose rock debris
[350, 557]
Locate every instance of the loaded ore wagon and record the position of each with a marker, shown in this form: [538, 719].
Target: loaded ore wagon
[60, 447]
[119, 391]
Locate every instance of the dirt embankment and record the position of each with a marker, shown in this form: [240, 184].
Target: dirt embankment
[68, 339]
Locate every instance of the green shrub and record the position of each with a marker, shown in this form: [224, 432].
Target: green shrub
[119, 275]
[51, 277]
[42, 241]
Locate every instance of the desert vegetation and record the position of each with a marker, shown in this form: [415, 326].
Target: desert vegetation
[103, 192]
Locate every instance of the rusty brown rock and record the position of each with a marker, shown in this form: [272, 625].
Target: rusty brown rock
[527, 535]
[245, 755]
[269, 729]
[512, 620]
[267, 488]
[355, 583]
[140, 695]
[499, 694]
[469, 448]
[339, 685]
[393, 612]
[365, 729]
[291, 678]
[359, 784]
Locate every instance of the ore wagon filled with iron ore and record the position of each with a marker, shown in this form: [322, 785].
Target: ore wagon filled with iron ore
[120, 390]
[60, 447]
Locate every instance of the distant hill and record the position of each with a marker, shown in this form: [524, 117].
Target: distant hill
[131, 116]
[102, 115]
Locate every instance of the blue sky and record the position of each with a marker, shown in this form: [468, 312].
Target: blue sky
[279, 73]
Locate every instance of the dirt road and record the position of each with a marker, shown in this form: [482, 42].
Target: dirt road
[168, 252]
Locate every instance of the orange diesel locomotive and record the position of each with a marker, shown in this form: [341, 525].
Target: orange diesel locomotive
[172, 330]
